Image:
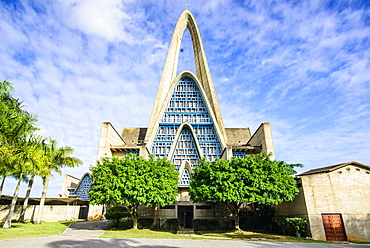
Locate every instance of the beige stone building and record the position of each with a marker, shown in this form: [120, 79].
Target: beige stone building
[185, 125]
[336, 202]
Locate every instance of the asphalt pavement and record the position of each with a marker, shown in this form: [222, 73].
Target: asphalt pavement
[86, 234]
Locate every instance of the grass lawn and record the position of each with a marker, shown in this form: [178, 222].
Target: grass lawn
[255, 235]
[123, 231]
[144, 233]
[22, 230]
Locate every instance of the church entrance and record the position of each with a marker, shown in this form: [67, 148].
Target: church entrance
[84, 212]
[185, 215]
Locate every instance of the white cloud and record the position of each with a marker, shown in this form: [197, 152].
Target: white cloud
[103, 18]
[301, 66]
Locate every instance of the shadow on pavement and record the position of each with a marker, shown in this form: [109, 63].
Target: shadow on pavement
[102, 243]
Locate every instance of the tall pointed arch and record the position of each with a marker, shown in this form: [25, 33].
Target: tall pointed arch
[186, 20]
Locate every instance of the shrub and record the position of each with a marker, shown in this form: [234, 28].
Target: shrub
[145, 222]
[205, 224]
[116, 213]
[172, 224]
[299, 224]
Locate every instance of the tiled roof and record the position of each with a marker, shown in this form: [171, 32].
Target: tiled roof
[332, 168]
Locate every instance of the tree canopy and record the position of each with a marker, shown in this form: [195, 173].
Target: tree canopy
[23, 153]
[253, 179]
[133, 181]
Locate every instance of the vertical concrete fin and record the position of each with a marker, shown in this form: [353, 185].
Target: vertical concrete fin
[263, 137]
[186, 20]
[108, 136]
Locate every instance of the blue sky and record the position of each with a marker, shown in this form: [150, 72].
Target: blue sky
[303, 66]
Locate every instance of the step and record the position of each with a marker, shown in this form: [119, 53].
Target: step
[185, 231]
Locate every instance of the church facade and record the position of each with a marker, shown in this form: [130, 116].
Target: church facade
[185, 125]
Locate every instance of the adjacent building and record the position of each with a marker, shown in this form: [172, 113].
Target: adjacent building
[335, 200]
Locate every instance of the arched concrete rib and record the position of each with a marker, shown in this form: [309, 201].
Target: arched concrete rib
[186, 20]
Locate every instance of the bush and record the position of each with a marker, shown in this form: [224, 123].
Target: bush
[145, 222]
[172, 224]
[299, 224]
[205, 224]
[116, 213]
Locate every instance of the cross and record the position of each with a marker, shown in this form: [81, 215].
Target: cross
[187, 5]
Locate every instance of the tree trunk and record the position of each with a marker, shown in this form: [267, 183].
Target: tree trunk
[155, 222]
[234, 208]
[42, 201]
[236, 218]
[25, 203]
[2, 186]
[8, 222]
[134, 217]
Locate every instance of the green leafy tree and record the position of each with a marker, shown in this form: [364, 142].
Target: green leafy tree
[15, 129]
[133, 181]
[16, 142]
[253, 179]
[23, 163]
[39, 162]
[55, 159]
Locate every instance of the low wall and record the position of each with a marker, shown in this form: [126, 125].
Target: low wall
[50, 213]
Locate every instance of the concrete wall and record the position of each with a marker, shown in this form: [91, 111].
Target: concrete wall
[345, 191]
[68, 182]
[263, 137]
[50, 213]
[108, 136]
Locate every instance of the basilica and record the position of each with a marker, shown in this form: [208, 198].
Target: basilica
[185, 125]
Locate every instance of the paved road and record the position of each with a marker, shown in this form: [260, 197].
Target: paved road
[85, 235]
[73, 241]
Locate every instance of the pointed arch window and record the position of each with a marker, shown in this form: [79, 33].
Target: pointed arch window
[187, 104]
[185, 178]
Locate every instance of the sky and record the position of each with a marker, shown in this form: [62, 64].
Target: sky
[303, 66]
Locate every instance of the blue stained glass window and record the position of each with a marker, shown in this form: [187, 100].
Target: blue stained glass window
[185, 150]
[84, 188]
[187, 104]
[185, 178]
[239, 154]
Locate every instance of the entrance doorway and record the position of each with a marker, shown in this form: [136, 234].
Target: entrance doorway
[84, 212]
[185, 215]
[334, 228]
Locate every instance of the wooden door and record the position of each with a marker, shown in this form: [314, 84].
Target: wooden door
[334, 228]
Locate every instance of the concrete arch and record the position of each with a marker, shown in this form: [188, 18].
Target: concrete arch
[219, 131]
[186, 20]
[188, 126]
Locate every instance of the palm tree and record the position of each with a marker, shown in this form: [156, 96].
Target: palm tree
[16, 123]
[16, 128]
[57, 159]
[39, 168]
[21, 163]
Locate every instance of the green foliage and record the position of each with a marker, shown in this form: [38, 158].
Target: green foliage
[299, 224]
[172, 224]
[280, 220]
[116, 213]
[205, 224]
[253, 179]
[145, 222]
[133, 181]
